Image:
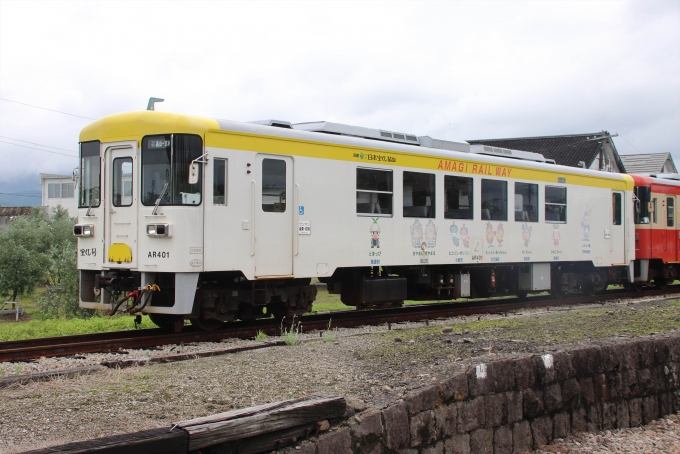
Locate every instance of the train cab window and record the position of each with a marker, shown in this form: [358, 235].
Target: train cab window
[457, 197]
[374, 192]
[670, 212]
[219, 181]
[274, 185]
[654, 205]
[122, 174]
[616, 208]
[494, 200]
[642, 198]
[555, 204]
[419, 195]
[526, 202]
[90, 167]
[165, 169]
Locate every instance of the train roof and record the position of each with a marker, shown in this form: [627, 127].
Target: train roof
[133, 125]
[663, 179]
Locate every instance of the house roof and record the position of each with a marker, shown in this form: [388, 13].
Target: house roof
[646, 163]
[566, 150]
[53, 176]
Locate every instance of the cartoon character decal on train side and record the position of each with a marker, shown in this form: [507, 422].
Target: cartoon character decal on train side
[526, 234]
[431, 234]
[585, 223]
[375, 234]
[556, 234]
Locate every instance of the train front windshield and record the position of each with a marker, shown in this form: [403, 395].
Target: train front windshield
[643, 196]
[165, 169]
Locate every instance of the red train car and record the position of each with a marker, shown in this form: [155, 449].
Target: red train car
[657, 234]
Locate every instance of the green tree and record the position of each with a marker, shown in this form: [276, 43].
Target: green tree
[24, 258]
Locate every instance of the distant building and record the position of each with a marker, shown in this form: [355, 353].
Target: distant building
[649, 163]
[59, 190]
[591, 151]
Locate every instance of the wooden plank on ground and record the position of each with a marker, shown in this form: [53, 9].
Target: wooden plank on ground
[262, 420]
[154, 441]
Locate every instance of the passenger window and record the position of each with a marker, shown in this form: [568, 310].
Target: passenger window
[122, 174]
[494, 200]
[526, 202]
[457, 197]
[374, 192]
[616, 208]
[670, 210]
[555, 204]
[274, 185]
[418, 195]
[220, 182]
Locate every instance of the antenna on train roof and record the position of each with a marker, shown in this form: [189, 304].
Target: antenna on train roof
[153, 101]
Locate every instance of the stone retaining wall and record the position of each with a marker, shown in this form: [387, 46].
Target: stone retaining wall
[515, 405]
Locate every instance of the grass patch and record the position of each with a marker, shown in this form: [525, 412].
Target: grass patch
[61, 327]
[260, 337]
[291, 336]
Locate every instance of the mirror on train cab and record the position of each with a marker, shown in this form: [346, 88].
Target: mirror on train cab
[194, 170]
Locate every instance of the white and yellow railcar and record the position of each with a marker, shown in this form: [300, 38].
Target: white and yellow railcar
[227, 218]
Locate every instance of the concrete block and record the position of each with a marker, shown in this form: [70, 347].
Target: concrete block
[495, 410]
[644, 381]
[662, 351]
[367, 424]
[650, 409]
[522, 440]
[571, 393]
[445, 420]
[608, 416]
[436, 449]
[646, 352]
[561, 425]
[514, 403]
[630, 356]
[397, 428]
[622, 415]
[563, 367]
[454, 388]
[629, 384]
[674, 344]
[552, 397]
[542, 430]
[471, 415]
[502, 440]
[587, 361]
[481, 380]
[635, 412]
[525, 375]
[336, 442]
[587, 391]
[504, 375]
[422, 399]
[545, 368]
[579, 420]
[533, 403]
[615, 385]
[601, 388]
[658, 380]
[481, 441]
[423, 429]
[307, 448]
[460, 444]
[675, 399]
[594, 417]
[611, 357]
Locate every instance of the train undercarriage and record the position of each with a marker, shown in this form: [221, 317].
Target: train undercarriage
[228, 296]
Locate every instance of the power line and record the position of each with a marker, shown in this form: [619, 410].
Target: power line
[33, 143]
[630, 144]
[44, 108]
[33, 148]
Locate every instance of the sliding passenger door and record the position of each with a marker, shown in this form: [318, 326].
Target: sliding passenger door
[617, 245]
[671, 227]
[273, 205]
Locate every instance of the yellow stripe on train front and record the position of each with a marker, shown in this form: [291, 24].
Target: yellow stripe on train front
[119, 253]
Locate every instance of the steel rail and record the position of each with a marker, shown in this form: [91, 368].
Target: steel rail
[23, 350]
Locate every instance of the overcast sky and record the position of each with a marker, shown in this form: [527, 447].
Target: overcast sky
[450, 70]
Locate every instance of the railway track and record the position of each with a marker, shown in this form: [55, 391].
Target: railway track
[28, 349]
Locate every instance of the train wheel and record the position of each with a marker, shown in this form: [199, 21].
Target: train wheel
[206, 325]
[166, 322]
[661, 283]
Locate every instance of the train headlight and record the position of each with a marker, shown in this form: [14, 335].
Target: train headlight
[83, 230]
[158, 230]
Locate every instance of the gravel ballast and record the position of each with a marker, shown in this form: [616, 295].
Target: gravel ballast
[371, 363]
